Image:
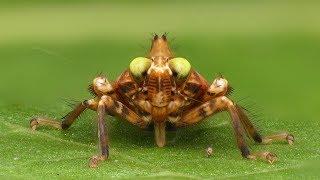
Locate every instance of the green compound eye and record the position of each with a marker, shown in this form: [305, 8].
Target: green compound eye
[181, 67]
[139, 66]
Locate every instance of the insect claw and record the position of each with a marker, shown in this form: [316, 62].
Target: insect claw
[34, 123]
[290, 139]
[271, 158]
[94, 160]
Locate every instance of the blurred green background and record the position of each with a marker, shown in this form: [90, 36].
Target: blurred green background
[268, 50]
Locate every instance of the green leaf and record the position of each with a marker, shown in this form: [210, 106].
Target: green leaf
[51, 153]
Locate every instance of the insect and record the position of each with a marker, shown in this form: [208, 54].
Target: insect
[158, 90]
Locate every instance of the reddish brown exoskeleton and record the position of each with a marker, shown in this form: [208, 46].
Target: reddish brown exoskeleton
[158, 90]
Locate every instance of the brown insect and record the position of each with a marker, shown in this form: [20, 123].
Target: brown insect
[159, 90]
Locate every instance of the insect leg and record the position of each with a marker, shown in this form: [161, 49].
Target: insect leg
[279, 136]
[103, 137]
[199, 113]
[220, 104]
[256, 136]
[240, 136]
[160, 133]
[117, 108]
[68, 119]
[111, 106]
[252, 131]
[213, 106]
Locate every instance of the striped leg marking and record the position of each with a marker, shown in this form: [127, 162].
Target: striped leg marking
[117, 108]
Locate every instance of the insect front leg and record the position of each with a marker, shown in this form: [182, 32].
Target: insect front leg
[114, 107]
[103, 137]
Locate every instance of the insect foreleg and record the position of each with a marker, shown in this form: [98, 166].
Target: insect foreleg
[103, 137]
[117, 108]
[111, 106]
